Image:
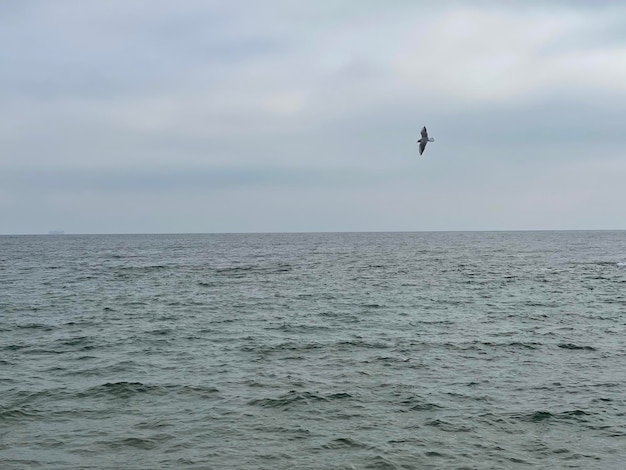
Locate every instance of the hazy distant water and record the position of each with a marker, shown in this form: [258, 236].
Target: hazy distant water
[366, 351]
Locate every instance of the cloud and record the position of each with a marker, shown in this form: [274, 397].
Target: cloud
[316, 104]
[503, 55]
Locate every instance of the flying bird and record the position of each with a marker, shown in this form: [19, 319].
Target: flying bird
[424, 140]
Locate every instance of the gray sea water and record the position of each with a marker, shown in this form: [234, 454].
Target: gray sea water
[279, 351]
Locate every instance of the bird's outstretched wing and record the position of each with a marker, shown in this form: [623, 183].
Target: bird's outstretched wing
[424, 133]
[422, 145]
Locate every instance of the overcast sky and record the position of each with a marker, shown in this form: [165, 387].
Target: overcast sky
[149, 116]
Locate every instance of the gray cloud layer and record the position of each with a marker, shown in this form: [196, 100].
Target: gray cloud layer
[147, 116]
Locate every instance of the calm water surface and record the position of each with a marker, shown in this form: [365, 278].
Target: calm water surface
[281, 351]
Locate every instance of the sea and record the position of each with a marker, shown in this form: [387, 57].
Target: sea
[434, 350]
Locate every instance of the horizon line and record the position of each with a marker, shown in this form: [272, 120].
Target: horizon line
[312, 232]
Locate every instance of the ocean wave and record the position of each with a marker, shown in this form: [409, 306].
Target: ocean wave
[19, 414]
[447, 426]
[301, 328]
[539, 416]
[37, 326]
[292, 398]
[270, 353]
[146, 268]
[132, 389]
[143, 443]
[343, 443]
[576, 347]
[248, 269]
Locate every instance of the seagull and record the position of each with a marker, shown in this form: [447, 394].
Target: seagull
[424, 140]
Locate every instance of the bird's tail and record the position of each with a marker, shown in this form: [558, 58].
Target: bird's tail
[431, 140]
